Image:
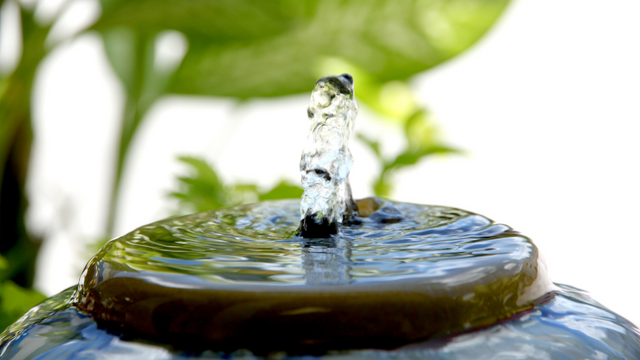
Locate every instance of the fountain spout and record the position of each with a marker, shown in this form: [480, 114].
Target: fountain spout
[326, 160]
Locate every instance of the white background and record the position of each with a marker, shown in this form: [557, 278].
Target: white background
[546, 107]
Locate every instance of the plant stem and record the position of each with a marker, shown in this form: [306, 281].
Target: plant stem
[135, 108]
[15, 101]
[16, 136]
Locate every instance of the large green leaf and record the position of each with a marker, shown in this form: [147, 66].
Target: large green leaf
[256, 48]
[212, 21]
[14, 300]
[386, 39]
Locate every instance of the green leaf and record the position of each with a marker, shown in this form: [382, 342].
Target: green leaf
[253, 48]
[3, 263]
[283, 190]
[120, 47]
[374, 145]
[383, 185]
[132, 56]
[241, 194]
[15, 301]
[412, 157]
[4, 81]
[201, 190]
[221, 21]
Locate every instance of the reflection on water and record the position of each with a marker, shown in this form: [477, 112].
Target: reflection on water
[326, 261]
[239, 278]
[254, 245]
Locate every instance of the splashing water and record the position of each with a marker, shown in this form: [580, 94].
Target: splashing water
[326, 160]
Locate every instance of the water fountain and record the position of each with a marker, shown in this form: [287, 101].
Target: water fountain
[325, 276]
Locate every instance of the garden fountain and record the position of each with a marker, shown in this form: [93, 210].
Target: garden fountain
[326, 276]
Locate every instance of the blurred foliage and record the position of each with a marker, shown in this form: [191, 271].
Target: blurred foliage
[395, 101]
[241, 49]
[251, 48]
[14, 300]
[17, 246]
[203, 189]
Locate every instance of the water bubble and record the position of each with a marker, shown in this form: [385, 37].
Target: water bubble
[326, 160]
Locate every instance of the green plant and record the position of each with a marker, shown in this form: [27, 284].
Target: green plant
[14, 300]
[203, 190]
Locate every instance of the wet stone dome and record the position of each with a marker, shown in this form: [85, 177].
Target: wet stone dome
[237, 278]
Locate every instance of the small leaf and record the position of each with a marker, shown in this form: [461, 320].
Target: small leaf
[15, 301]
[404, 159]
[412, 157]
[241, 194]
[381, 187]
[374, 145]
[202, 190]
[204, 172]
[283, 190]
[119, 45]
[4, 81]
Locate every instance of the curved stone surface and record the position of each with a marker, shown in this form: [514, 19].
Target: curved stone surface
[239, 278]
[568, 325]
